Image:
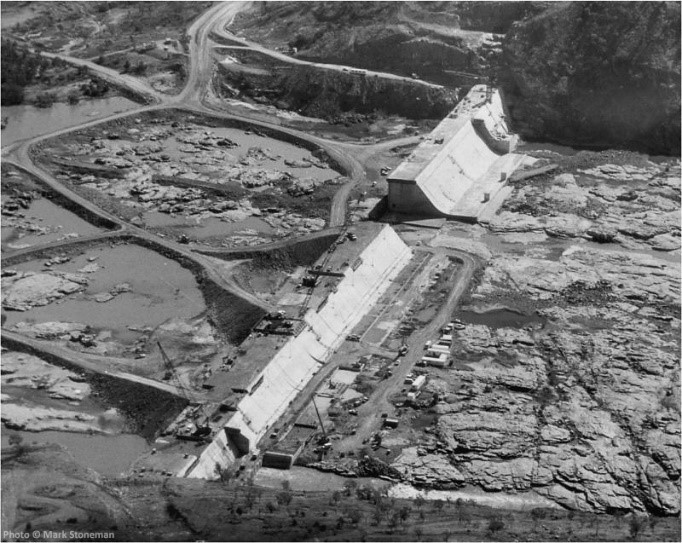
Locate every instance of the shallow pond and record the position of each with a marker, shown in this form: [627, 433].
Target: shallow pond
[109, 455]
[24, 122]
[161, 289]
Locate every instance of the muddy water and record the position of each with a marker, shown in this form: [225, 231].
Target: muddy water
[500, 318]
[45, 213]
[24, 122]
[108, 455]
[162, 289]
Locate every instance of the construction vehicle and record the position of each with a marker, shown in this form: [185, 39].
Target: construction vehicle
[172, 375]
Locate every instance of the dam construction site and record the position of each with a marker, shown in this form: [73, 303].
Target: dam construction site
[257, 355]
[234, 296]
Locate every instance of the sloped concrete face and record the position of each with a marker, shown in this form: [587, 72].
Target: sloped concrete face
[292, 367]
[466, 157]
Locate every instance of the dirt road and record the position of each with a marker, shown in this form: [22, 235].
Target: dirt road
[369, 414]
[221, 32]
[94, 364]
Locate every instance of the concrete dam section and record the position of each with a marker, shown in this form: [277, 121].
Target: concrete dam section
[462, 165]
[265, 383]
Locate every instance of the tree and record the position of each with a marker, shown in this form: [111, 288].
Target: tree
[45, 99]
[495, 525]
[418, 532]
[74, 97]
[16, 441]
[12, 95]
[404, 513]
[446, 535]
[355, 516]
[378, 515]
[419, 501]
[636, 524]
[284, 497]
[349, 486]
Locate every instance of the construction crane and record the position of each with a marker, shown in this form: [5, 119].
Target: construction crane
[306, 302]
[172, 374]
[324, 432]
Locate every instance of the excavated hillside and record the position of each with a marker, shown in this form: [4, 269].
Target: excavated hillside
[326, 93]
[597, 74]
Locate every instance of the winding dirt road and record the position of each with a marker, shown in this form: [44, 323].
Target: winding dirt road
[222, 32]
[349, 156]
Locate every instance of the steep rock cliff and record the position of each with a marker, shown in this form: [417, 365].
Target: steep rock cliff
[597, 74]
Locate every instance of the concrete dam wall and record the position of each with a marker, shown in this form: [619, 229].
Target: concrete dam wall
[466, 157]
[295, 363]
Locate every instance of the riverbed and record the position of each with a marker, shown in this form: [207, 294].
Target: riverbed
[160, 289]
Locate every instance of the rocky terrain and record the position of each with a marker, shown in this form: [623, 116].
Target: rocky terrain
[174, 177]
[23, 290]
[22, 373]
[433, 40]
[597, 73]
[636, 207]
[581, 403]
[330, 93]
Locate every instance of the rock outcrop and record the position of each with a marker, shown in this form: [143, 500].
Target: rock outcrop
[597, 73]
[24, 290]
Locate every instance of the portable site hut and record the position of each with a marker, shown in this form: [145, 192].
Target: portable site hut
[437, 349]
[439, 362]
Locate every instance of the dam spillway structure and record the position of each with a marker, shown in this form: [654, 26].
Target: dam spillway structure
[273, 368]
[460, 169]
